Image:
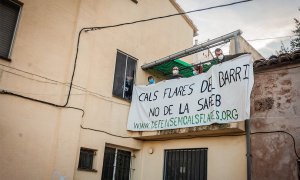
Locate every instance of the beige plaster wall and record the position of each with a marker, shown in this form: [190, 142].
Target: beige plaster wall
[226, 157]
[37, 141]
[42, 141]
[146, 42]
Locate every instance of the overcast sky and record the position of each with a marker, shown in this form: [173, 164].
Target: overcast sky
[257, 19]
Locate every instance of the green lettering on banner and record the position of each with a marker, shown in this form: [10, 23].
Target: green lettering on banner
[188, 120]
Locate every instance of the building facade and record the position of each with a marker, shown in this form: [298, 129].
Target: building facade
[44, 133]
[275, 118]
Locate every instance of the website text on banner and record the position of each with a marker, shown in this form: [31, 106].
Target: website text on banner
[222, 95]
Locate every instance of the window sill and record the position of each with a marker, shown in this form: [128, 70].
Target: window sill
[5, 58]
[89, 170]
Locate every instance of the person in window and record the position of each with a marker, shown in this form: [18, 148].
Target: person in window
[151, 80]
[128, 87]
[175, 73]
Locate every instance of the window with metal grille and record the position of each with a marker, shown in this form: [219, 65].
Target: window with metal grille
[9, 15]
[185, 164]
[124, 75]
[116, 164]
[86, 159]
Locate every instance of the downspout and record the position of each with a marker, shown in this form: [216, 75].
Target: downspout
[247, 122]
[248, 148]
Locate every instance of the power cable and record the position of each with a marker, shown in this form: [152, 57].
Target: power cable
[105, 132]
[86, 29]
[87, 93]
[162, 17]
[37, 75]
[261, 39]
[285, 132]
[40, 101]
[203, 136]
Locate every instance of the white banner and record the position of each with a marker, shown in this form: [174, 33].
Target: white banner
[221, 95]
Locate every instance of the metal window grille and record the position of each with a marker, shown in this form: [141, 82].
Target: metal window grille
[124, 75]
[116, 164]
[185, 164]
[9, 15]
[86, 159]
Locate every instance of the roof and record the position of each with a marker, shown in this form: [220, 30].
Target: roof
[186, 69]
[277, 61]
[185, 17]
[165, 69]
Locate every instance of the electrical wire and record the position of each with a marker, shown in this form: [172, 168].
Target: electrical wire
[86, 29]
[111, 134]
[87, 93]
[105, 132]
[37, 75]
[261, 39]
[40, 101]
[47, 82]
[102, 131]
[166, 16]
[201, 136]
[94, 28]
[285, 132]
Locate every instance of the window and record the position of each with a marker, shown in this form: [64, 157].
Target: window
[135, 1]
[9, 14]
[116, 164]
[124, 75]
[185, 164]
[86, 159]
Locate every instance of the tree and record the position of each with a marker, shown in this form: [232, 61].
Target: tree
[283, 49]
[295, 43]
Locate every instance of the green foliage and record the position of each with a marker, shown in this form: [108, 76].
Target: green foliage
[283, 49]
[295, 43]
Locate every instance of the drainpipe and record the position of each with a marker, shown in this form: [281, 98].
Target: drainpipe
[247, 121]
[248, 148]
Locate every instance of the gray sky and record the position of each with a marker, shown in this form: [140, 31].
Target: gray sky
[257, 19]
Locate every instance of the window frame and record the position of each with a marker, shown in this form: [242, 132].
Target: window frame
[192, 156]
[125, 75]
[94, 152]
[12, 42]
[117, 149]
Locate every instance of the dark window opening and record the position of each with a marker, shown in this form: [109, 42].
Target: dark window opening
[9, 14]
[135, 1]
[185, 164]
[86, 159]
[116, 164]
[124, 75]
